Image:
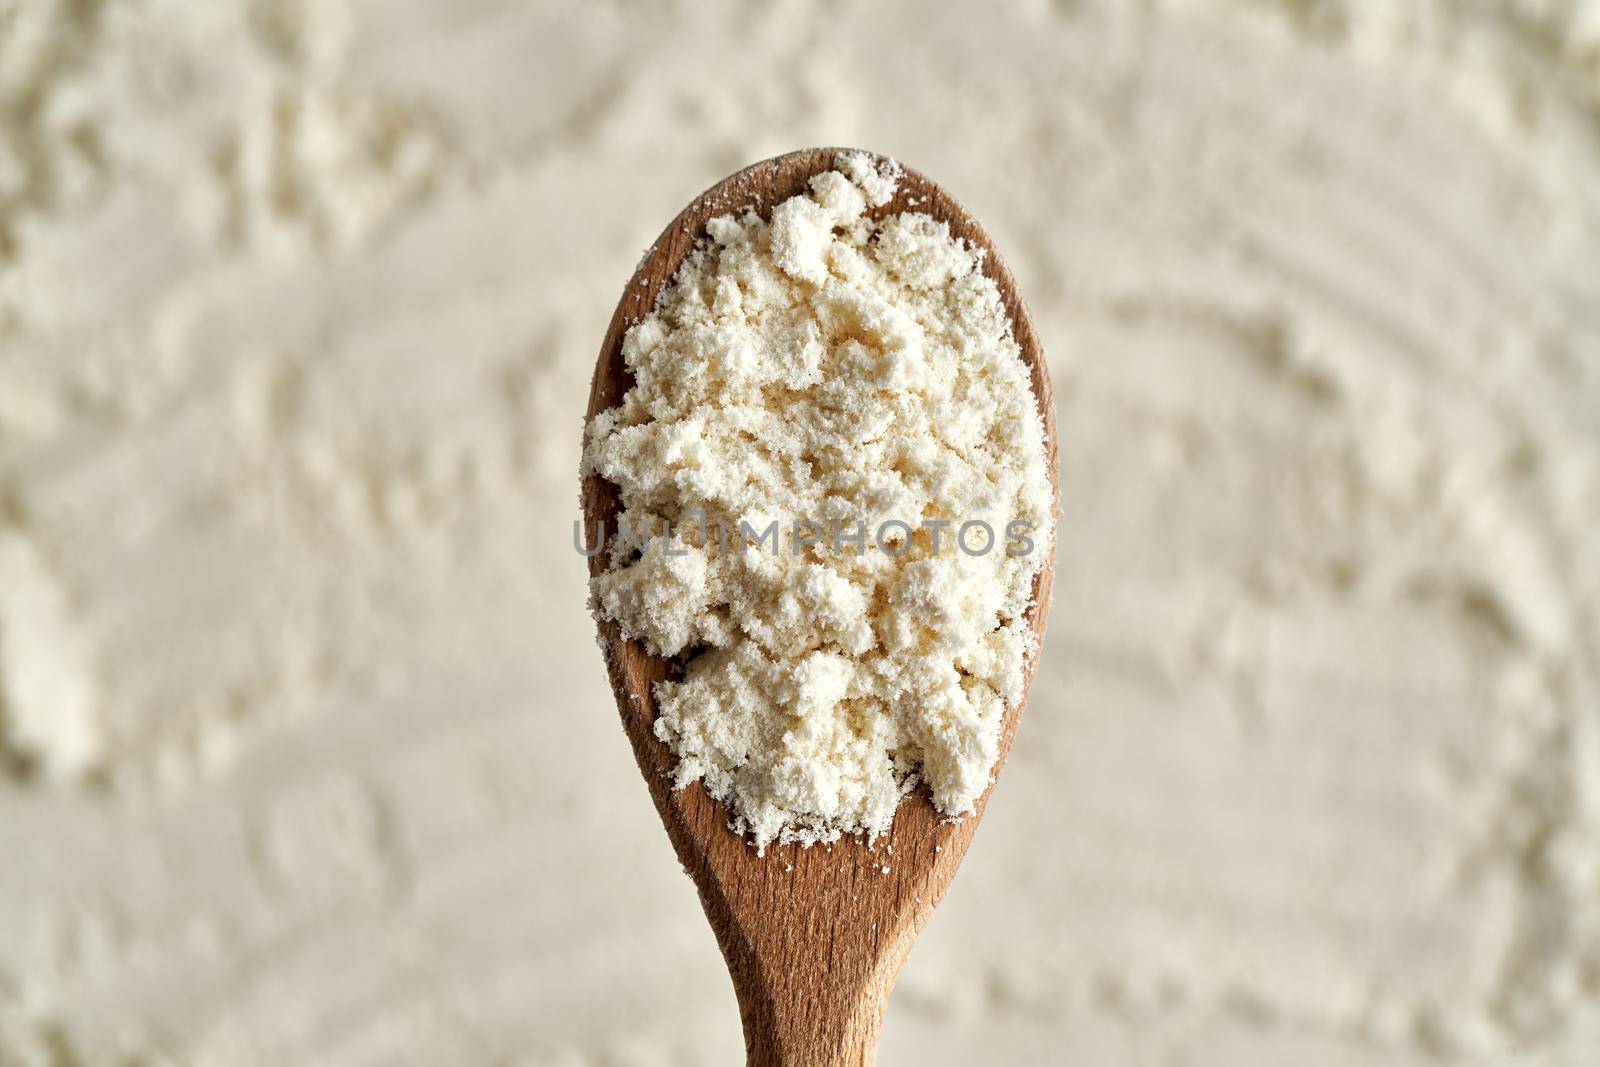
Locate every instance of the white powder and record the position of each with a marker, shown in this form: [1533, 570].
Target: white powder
[828, 368]
[47, 719]
[286, 462]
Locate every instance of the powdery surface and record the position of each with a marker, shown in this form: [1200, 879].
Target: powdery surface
[308, 755]
[818, 376]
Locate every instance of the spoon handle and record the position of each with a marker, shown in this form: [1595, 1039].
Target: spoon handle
[813, 983]
[806, 1032]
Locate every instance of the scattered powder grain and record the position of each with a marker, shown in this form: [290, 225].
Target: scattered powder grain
[831, 373]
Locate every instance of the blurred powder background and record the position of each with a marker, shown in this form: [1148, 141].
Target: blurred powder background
[308, 757]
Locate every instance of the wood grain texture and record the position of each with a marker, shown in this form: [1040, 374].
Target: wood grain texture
[813, 937]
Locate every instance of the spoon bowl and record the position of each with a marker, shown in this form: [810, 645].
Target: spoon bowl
[814, 937]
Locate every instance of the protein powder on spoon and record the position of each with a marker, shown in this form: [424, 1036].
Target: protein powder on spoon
[835, 501]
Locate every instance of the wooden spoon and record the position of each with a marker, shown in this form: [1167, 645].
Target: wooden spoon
[813, 937]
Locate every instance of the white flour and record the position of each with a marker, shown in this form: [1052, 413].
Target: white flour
[307, 758]
[848, 374]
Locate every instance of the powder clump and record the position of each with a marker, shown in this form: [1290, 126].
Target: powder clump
[829, 410]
